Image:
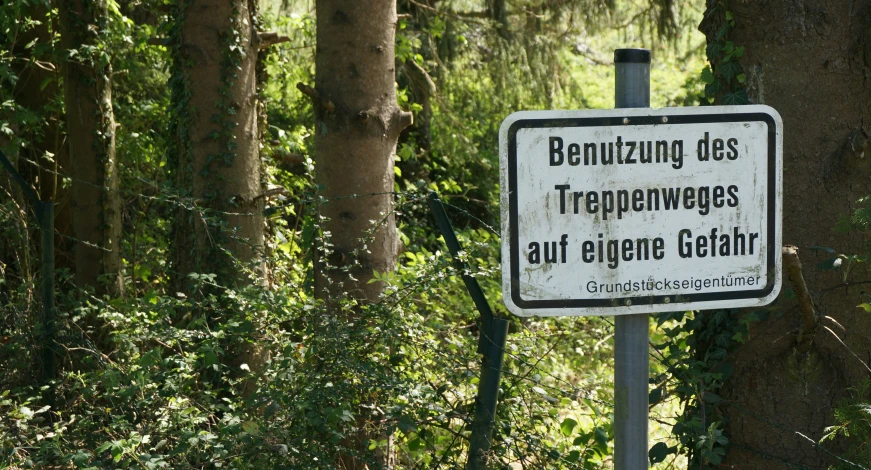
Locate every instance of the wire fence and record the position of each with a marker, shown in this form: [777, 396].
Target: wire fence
[542, 387]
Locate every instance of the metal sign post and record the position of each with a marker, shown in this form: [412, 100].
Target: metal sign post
[631, 332]
[631, 211]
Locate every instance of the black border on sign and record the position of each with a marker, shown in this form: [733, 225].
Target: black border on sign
[617, 121]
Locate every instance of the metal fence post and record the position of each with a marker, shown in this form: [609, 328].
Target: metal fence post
[631, 332]
[45, 218]
[45, 214]
[491, 345]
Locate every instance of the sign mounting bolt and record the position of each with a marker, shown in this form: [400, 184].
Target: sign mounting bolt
[625, 120]
[628, 302]
[664, 119]
[667, 300]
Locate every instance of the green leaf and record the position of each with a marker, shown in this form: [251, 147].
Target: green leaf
[655, 395]
[708, 76]
[601, 437]
[735, 99]
[659, 452]
[866, 306]
[729, 70]
[567, 426]
[714, 459]
[209, 357]
[712, 89]
[711, 397]
[251, 428]
[407, 425]
[415, 444]
[573, 456]
[726, 370]
[741, 77]
[830, 264]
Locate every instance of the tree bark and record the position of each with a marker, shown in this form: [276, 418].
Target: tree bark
[38, 90]
[812, 62]
[91, 134]
[218, 146]
[357, 125]
[499, 13]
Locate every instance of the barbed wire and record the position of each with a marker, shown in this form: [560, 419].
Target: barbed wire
[761, 419]
[560, 386]
[168, 194]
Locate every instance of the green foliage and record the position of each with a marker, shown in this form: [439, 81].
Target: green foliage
[724, 78]
[696, 354]
[853, 421]
[853, 414]
[259, 374]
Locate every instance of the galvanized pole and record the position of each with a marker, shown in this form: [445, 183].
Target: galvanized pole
[631, 368]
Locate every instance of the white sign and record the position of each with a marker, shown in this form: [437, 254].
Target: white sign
[623, 211]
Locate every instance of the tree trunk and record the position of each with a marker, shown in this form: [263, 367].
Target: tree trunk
[499, 13]
[812, 62]
[38, 90]
[91, 133]
[218, 146]
[357, 125]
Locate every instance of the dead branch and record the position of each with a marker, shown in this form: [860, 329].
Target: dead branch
[157, 41]
[809, 314]
[584, 50]
[405, 119]
[293, 163]
[316, 97]
[280, 190]
[286, 158]
[266, 39]
[479, 14]
[423, 82]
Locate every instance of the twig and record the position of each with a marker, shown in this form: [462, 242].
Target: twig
[316, 97]
[270, 39]
[848, 348]
[809, 316]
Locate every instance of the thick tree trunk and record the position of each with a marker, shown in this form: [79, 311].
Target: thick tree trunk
[91, 135]
[215, 91]
[357, 125]
[38, 90]
[812, 62]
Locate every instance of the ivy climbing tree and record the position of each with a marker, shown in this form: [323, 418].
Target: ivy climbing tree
[217, 152]
[811, 62]
[90, 124]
